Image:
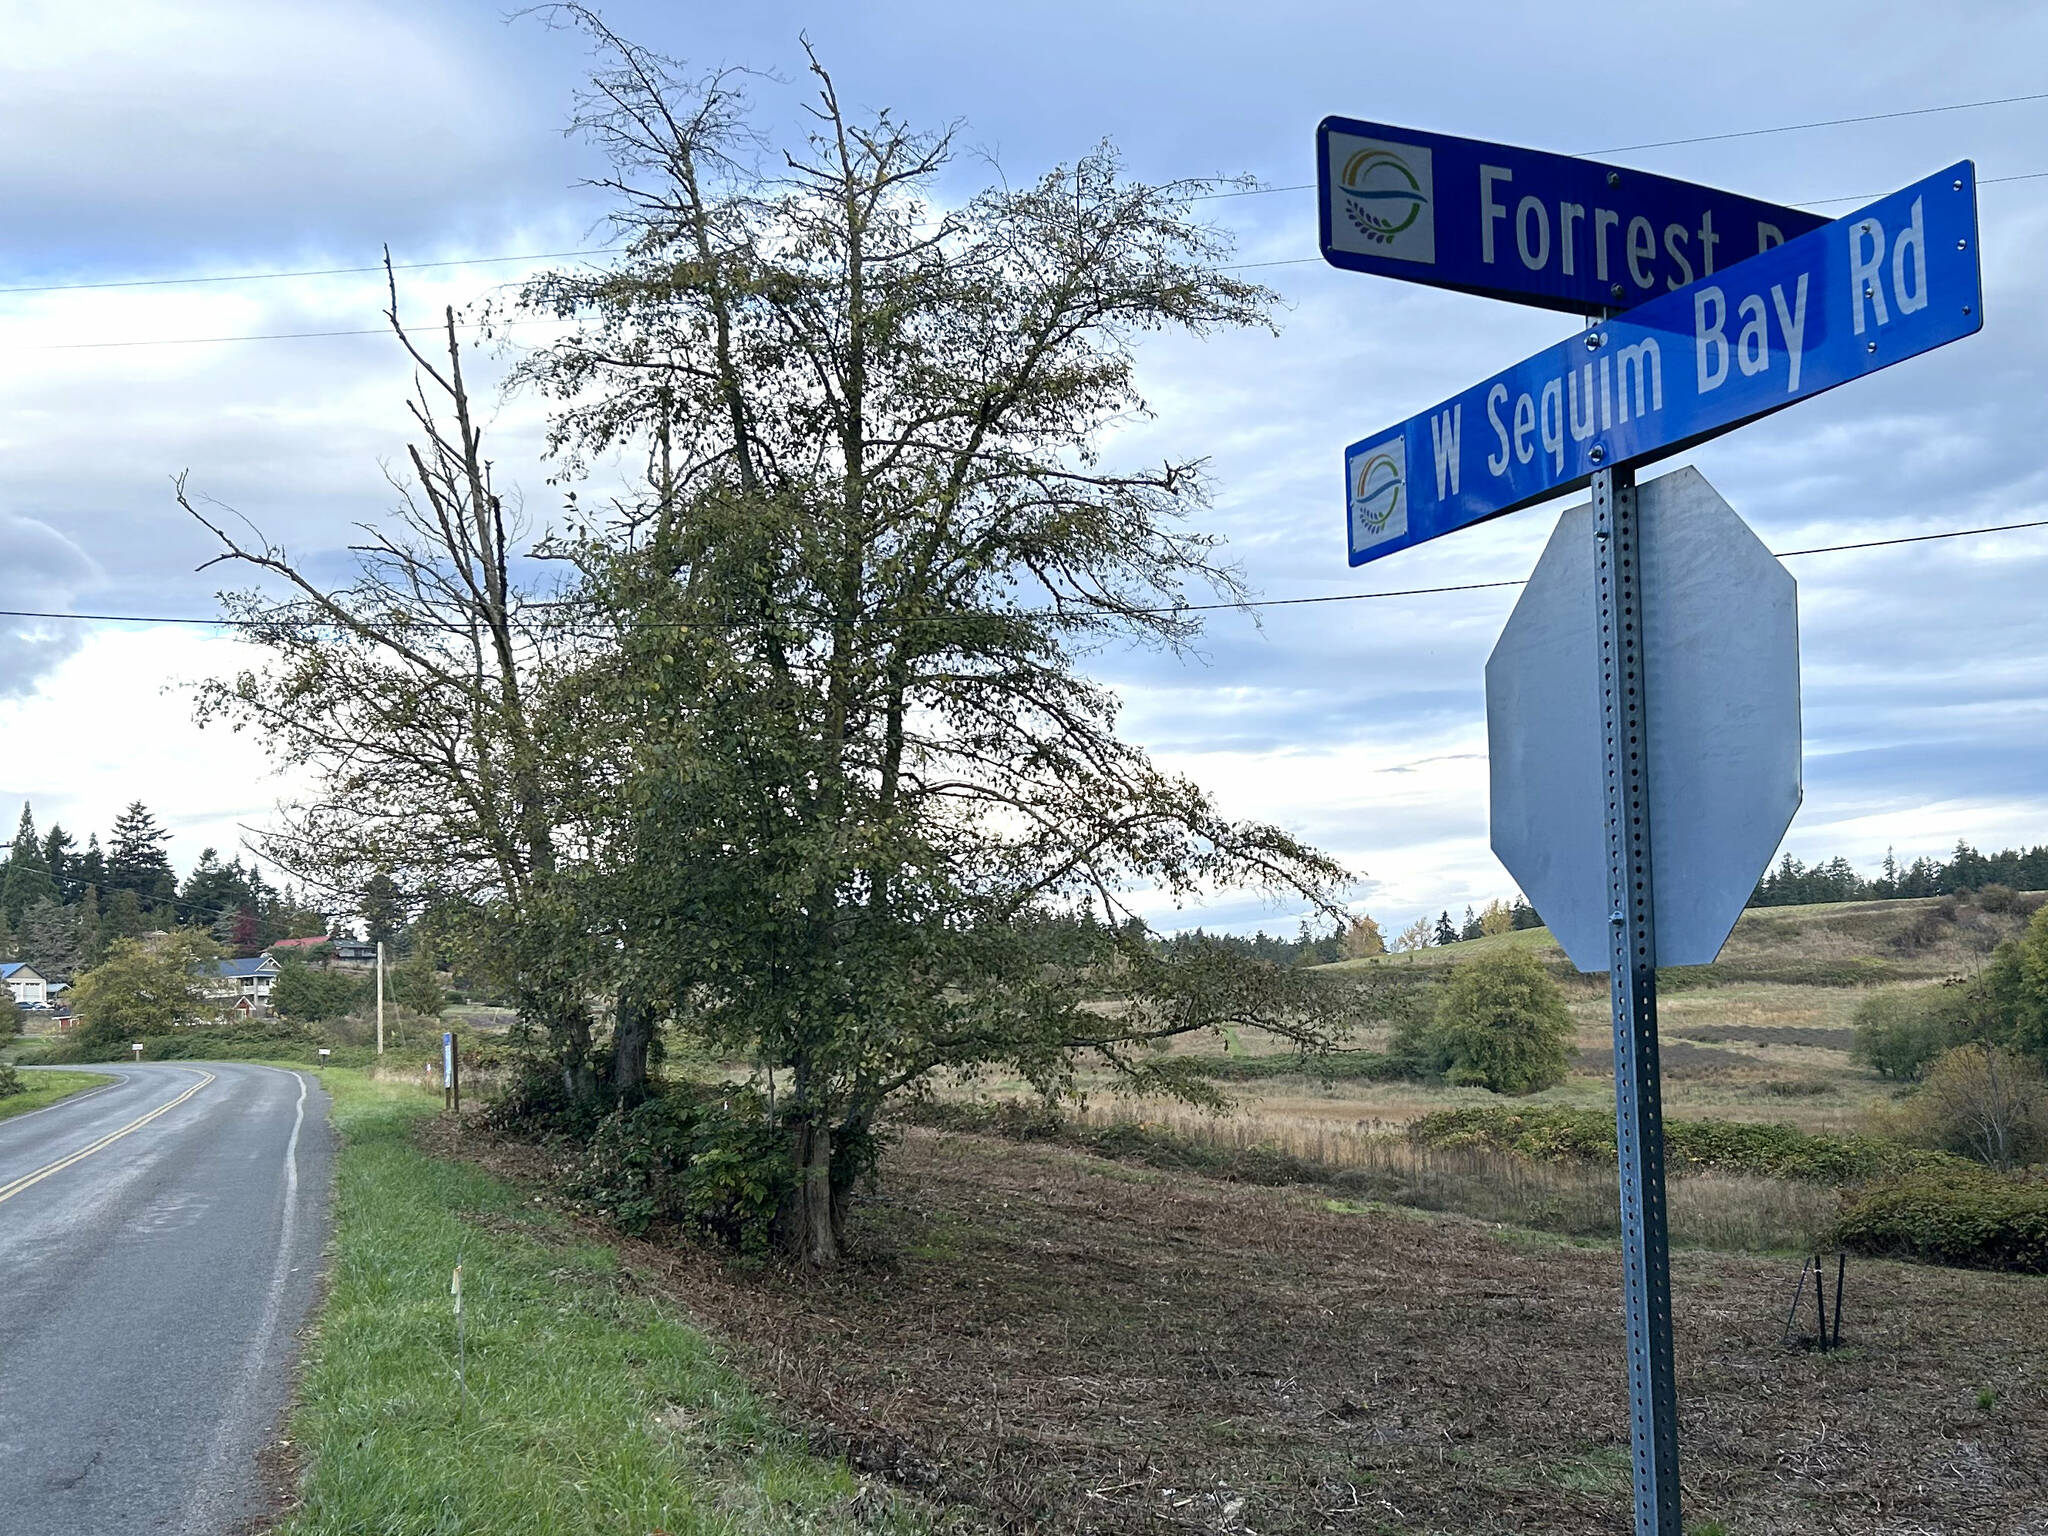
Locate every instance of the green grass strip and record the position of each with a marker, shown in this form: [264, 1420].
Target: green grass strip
[589, 1409]
[43, 1089]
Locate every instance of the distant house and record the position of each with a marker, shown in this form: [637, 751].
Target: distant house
[243, 985]
[30, 987]
[354, 952]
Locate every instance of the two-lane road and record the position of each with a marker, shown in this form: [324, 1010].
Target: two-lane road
[160, 1245]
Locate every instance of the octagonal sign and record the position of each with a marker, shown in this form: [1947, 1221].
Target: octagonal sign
[1721, 675]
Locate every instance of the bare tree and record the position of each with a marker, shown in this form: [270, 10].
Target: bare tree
[420, 696]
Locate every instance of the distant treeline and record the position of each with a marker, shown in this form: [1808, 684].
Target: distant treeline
[1793, 884]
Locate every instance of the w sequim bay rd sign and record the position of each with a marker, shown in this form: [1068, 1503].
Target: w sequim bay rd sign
[1856, 295]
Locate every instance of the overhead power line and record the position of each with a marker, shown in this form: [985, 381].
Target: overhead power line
[1827, 122]
[380, 330]
[255, 277]
[1177, 608]
[606, 250]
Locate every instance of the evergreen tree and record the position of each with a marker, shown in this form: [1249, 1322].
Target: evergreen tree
[91, 946]
[49, 939]
[27, 878]
[1445, 933]
[383, 914]
[92, 865]
[137, 862]
[1472, 928]
[57, 855]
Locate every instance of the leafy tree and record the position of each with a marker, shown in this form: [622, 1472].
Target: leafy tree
[1497, 918]
[1362, 939]
[1417, 935]
[1898, 1033]
[416, 985]
[1500, 1023]
[1444, 932]
[867, 788]
[2024, 971]
[144, 989]
[804, 761]
[310, 996]
[25, 879]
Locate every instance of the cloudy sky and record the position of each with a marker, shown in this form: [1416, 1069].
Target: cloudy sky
[220, 139]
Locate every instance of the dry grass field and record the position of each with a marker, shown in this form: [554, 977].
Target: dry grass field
[1763, 1034]
[1050, 1343]
[1404, 1338]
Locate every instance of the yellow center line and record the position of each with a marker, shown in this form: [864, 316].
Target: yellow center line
[9, 1191]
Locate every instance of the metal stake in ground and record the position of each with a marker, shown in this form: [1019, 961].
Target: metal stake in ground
[1632, 985]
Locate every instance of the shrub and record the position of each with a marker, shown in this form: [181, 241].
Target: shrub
[718, 1164]
[535, 1104]
[10, 1081]
[1955, 1215]
[1985, 1102]
[311, 996]
[1898, 1033]
[1500, 1023]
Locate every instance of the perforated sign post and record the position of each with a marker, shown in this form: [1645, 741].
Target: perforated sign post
[1643, 705]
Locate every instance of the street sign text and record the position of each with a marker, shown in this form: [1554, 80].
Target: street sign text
[1897, 279]
[1525, 225]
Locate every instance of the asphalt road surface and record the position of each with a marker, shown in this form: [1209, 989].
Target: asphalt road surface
[160, 1245]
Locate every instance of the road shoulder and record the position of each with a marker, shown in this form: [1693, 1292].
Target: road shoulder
[566, 1391]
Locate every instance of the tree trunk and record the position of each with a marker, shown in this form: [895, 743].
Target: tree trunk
[632, 1033]
[809, 1231]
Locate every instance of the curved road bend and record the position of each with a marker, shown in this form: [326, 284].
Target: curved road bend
[160, 1245]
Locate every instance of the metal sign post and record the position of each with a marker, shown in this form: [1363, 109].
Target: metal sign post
[1632, 986]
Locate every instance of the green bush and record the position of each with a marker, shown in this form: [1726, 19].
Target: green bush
[1964, 1216]
[715, 1163]
[311, 996]
[10, 1081]
[1723, 1146]
[1500, 1023]
[1898, 1033]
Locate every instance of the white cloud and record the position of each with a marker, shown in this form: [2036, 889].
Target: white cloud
[112, 723]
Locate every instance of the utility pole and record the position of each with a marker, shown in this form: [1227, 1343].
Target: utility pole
[380, 997]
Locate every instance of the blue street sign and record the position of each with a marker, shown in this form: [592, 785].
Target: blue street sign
[1525, 225]
[1895, 280]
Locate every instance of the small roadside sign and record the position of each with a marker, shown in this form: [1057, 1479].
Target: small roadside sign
[1525, 225]
[1895, 280]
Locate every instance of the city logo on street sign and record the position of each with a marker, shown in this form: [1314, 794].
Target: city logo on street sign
[1525, 225]
[1898, 279]
[1378, 475]
[1387, 198]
